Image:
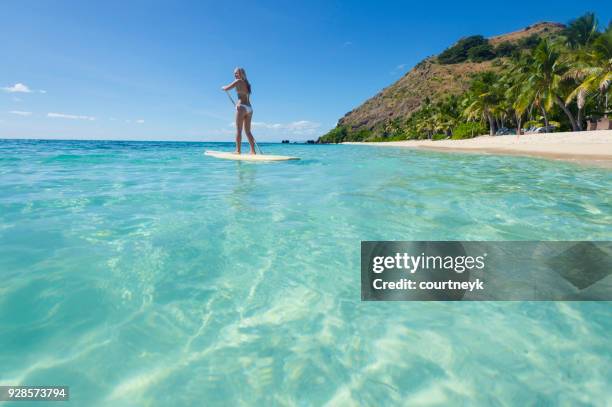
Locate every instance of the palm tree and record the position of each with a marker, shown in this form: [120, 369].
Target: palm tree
[547, 79]
[518, 93]
[594, 69]
[482, 99]
[582, 31]
[423, 126]
[447, 114]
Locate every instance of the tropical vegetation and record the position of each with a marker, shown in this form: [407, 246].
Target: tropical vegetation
[553, 82]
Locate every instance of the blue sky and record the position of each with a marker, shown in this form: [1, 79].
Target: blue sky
[152, 70]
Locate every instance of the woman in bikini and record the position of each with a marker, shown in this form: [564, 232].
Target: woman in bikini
[244, 111]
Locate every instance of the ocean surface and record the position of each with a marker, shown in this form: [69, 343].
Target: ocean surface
[147, 274]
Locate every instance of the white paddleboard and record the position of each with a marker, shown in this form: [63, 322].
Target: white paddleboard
[248, 157]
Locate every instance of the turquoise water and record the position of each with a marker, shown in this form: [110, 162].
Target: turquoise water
[149, 274]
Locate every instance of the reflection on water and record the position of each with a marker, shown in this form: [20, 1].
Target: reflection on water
[149, 274]
[245, 185]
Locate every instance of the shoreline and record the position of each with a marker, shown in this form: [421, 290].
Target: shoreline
[585, 147]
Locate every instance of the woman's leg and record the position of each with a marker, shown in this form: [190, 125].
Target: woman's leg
[247, 130]
[239, 121]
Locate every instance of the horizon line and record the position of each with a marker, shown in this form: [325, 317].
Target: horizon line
[147, 141]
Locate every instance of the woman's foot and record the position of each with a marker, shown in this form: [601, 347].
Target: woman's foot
[237, 152]
[253, 152]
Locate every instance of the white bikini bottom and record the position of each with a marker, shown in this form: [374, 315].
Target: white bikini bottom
[247, 109]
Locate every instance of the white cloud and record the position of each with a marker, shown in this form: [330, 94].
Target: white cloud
[303, 126]
[297, 128]
[70, 116]
[140, 121]
[17, 88]
[20, 113]
[264, 125]
[42, 91]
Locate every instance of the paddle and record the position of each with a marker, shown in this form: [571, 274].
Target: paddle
[234, 103]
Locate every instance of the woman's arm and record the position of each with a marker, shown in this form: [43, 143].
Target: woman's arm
[231, 85]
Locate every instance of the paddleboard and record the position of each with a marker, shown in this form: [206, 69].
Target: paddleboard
[248, 157]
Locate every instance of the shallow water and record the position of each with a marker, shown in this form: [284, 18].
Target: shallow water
[149, 274]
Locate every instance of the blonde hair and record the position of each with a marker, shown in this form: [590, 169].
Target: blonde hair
[243, 76]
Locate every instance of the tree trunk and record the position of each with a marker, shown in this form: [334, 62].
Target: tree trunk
[545, 119]
[519, 121]
[580, 102]
[568, 113]
[531, 112]
[491, 124]
[580, 118]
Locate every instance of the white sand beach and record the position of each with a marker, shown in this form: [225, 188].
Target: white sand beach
[587, 146]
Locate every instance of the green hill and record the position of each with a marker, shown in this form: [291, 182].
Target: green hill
[432, 80]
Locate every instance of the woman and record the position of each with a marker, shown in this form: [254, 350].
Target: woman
[244, 111]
